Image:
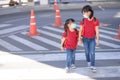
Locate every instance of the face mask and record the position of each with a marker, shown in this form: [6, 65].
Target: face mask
[85, 16]
[74, 26]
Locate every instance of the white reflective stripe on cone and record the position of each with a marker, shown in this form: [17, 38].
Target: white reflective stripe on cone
[32, 16]
[57, 10]
[58, 16]
[32, 23]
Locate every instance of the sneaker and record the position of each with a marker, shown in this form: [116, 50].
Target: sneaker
[89, 64]
[93, 69]
[73, 66]
[67, 69]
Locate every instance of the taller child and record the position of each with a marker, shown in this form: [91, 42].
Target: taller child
[89, 35]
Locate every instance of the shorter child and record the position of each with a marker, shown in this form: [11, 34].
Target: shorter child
[69, 42]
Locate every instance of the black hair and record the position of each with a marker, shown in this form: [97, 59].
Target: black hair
[88, 8]
[68, 21]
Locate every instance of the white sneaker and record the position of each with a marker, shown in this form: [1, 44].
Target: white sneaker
[93, 69]
[73, 66]
[89, 64]
[67, 69]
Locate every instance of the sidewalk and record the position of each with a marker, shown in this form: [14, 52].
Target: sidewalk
[13, 67]
[18, 9]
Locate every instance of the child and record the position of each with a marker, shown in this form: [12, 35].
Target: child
[89, 35]
[69, 42]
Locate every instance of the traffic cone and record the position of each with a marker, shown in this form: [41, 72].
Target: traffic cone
[118, 36]
[58, 22]
[55, 4]
[33, 29]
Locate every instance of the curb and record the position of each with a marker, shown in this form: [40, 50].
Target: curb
[20, 9]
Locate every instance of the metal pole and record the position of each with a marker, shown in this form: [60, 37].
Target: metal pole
[19, 2]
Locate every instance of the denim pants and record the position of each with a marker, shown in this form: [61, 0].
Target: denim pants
[89, 46]
[70, 58]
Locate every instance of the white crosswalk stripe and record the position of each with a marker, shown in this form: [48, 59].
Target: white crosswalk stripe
[109, 44]
[8, 30]
[79, 56]
[4, 25]
[9, 46]
[27, 43]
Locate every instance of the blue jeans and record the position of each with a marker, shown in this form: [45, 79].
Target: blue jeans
[70, 58]
[89, 46]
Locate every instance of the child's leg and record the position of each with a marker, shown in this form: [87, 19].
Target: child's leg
[73, 57]
[86, 47]
[68, 58]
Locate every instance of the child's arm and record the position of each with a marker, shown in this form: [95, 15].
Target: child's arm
[62, 42]
[80, 34]
[97, 35]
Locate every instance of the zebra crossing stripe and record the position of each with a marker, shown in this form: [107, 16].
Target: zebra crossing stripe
[4, 25]
[108, 32]
[27, 43]
[110, 38]
[79, 56]
[48, 41]
[8, 30]
[49, 34]
[109, 44]
[53, 29]
[108, 28]
[9, 46]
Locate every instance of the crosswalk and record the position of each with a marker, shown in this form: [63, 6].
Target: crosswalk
[49, 39]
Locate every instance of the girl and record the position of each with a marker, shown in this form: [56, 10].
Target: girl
[89, 35]
[69, 42]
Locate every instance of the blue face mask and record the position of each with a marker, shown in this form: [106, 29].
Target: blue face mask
[85, 16]
[74, 26]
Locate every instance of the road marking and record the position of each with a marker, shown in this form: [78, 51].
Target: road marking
[61, 31]
[8, 30]
[45, 40]
[108, 32]
[9, 46]
[15, 20]
[54, 29]
[27, 43]
[108, 28]
[101, 8]
[79, 56]
[4, 25]
[109, 44]
[108, 37]
[49, 34]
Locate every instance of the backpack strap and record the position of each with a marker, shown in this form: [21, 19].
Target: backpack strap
[75, 31]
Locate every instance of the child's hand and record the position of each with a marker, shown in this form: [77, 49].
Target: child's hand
[80, 41]
[97, 42]
[62, 48]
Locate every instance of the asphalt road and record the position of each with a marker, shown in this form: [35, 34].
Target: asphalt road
[108, 16]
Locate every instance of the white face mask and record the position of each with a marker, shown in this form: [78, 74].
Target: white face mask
[85, 16]
[74, 26]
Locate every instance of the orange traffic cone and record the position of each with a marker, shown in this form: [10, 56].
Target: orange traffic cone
[55, 4]
[118, 36]
[58, 22]
[33, 29]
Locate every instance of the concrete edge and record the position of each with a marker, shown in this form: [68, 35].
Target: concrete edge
[20, 9]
